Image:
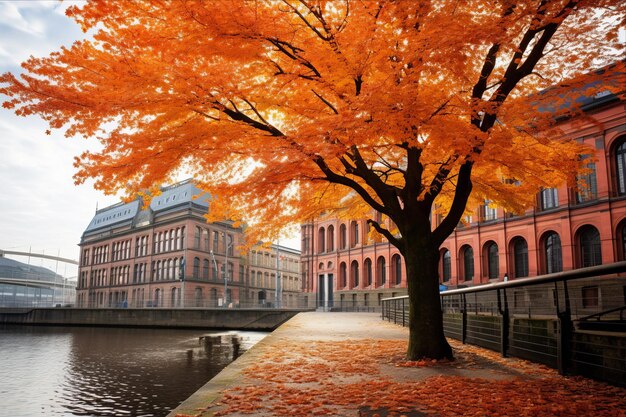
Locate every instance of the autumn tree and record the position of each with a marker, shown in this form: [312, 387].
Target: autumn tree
[288, 109]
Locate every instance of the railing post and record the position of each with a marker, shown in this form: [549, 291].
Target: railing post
[503, 309]
[464, 333]
[388, 312]
[403, 310]
[565, 330]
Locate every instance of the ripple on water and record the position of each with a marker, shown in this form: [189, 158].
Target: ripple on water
[106, 372]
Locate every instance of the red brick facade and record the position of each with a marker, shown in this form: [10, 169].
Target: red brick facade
[167, 255]
[566, 229]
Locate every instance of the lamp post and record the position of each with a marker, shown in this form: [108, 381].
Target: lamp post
[214, 262]
[227, 247]
[278, 294]
[183, 265]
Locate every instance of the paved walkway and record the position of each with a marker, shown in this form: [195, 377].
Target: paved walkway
[351, 364]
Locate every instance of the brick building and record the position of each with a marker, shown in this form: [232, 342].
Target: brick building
[151, 257]
[568, 228]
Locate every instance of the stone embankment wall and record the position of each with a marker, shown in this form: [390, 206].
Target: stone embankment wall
[240, 319]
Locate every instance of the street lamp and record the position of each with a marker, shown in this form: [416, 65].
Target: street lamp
[228, 246]
[278, 293]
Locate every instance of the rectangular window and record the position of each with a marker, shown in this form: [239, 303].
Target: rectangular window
[549, 198]
[489, 213]
[587, 184]
[216, 242]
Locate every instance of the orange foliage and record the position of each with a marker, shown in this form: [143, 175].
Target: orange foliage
[341, 378]
[287, 109]
[254, 97]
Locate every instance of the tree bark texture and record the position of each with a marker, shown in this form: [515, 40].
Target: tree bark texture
[426, 336]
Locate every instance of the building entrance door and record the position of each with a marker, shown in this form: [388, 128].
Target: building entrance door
[321, 289]
[325, 291]
[329, 283]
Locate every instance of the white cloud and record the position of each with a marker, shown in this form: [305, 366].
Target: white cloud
[12, 18]
[40, 208]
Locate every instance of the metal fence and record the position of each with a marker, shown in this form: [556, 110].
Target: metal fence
[573, 321]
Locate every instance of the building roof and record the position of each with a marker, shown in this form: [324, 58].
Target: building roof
[175, 195]
[111, 215]
[10, 268]
[578, 96]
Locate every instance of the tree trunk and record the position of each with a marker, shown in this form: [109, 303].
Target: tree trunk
[426, 338]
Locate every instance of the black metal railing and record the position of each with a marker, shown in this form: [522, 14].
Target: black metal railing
[572, 321]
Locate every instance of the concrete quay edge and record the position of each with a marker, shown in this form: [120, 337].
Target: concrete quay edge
[306, 326]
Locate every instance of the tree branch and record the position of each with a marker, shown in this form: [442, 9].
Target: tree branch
[461, 195]
[340, 179]
[325, 102]
[386, 233]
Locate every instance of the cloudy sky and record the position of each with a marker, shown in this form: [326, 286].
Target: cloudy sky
[40, 207]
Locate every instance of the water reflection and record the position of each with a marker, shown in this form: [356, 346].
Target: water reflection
[109, 372]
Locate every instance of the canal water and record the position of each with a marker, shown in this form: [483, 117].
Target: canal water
[79, 371]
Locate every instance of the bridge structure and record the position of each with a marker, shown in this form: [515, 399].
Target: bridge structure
[24, 285]
[4, 252]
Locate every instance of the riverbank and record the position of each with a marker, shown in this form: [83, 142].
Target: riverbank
[352, 364]
[261, 319]
[109, 371]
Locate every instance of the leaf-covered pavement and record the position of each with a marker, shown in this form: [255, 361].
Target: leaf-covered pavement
[369, 377]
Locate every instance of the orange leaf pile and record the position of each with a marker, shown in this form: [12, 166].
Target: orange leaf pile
[341, 378]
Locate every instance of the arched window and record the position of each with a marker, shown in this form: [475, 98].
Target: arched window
[367, 272]
[620, 165]
[354, 274]
[381, 270]
[157, 295]
[493, 260]
[178, 268]
[196, 267]
[214, 296]
[330, 239]
[321, 240]
[205, 239]
[354, 233]
[171, 269]
[446, 265]
[216, 242]
[166, 240]
[589, 246]
[342, 237]
[179, 242]
[196, 237]
[174, 300]
[205, 269]
[520, 257]
[198, 297]
[553, 259]
[396, 273]
[342, 275]
[468, 262]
